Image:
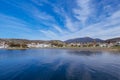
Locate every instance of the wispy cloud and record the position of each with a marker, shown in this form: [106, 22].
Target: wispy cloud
[50, 34]
[71, 25]
[45, 19]
[12, 27]
[14, 23]
[83, 10]
[58, 29]
[105, 29]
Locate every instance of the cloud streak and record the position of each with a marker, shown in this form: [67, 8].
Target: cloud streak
[105, 29]
[83, 10]
[45, 19]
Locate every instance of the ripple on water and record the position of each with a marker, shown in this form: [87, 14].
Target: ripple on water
[51, 64]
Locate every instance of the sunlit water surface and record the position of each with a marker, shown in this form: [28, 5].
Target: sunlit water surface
[59, 64]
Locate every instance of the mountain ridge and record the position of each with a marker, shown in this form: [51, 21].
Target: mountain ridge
[74, 40]
[83, 40]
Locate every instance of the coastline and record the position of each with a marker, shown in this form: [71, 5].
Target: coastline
[90, 49]
[72, 48]
[95, 49]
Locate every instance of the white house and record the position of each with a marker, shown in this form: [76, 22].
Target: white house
[103, 45]
[42, 45]
[38, 45]
[118, 43]
[3, 45]
[110, 45]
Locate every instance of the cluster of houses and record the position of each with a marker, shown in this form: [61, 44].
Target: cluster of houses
[92, 44]
[47, 45]
[38, 45]
[30, 45]
[3, 45]
[109, 44]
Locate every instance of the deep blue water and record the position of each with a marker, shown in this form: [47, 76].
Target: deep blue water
[59, 64]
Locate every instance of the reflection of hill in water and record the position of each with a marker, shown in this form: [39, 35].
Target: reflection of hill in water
[84, 53]
[91, 53]
[59, 64]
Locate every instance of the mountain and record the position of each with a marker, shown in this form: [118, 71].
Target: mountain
[83, 40]
[113, 40]
[29, 41]
[76, 40]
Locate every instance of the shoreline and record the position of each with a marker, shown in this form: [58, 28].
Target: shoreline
[95, 49]
[72, 48]
[88, 49]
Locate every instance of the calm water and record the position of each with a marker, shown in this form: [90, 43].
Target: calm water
[59, 64]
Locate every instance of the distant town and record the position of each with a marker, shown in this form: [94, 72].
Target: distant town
[72, 43]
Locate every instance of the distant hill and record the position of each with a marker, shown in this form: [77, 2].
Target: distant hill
[76, 40]
[29, 41]
[15, 40]
[113, 40]
[83, 40]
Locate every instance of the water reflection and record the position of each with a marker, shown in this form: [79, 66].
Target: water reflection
[84, 53]
[59, 64]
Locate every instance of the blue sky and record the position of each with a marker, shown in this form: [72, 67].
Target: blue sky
[59, 19]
